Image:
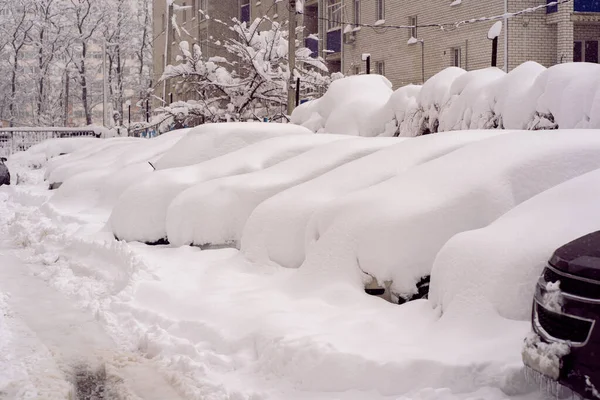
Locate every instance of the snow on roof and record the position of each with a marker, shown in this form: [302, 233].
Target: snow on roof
[394, 230]
[500, 264]
[276, 229]
[129, 221]
[215, 212]
[211, 140]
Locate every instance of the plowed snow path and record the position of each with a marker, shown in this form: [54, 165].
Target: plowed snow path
[49, 349]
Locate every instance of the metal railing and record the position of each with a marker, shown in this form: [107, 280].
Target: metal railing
[13, 140]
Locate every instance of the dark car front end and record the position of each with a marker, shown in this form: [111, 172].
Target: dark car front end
[565, 343]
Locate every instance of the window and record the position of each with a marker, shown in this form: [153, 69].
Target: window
[412, 32]
[380, 9]
[245, 10]
[334, 14]
[194, 10]
[184, 12]
[356, 70]
[585, 51]
[164, 26]
[202, 10]
[380, 67]
[456, 57]
[356, 12]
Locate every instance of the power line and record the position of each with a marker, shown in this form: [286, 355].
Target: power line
[452, 25]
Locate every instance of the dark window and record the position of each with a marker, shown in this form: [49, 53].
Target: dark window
[578, 52]
[551, 9]
[380, 10]
[380, 67]
[412, 32]
[184, 12]
[356, 12]
[591, 51]
[334, 41]
[586, 6]
[456, 57]
[245, 10]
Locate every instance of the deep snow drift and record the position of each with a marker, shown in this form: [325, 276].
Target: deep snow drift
[394, 230]
[215, 212]
[499, 265]
[276, 229]
[211, 140]
[130, 221]
[563, 96]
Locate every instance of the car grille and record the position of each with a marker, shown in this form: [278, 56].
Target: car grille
[572, 285]
[563, 327]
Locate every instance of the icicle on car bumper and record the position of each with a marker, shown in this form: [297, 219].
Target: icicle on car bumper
[565, 343]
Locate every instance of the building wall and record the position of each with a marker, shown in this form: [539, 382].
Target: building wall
[195, 28]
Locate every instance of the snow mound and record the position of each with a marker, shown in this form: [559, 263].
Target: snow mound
[501, 263]
[394, 230]
[99, 179]
[141, 212]
[215, 212]
[276, 229]
[352, 105]
[212, 140]
[88, 157]
[565, 96]
[37, 155]
[470, 103]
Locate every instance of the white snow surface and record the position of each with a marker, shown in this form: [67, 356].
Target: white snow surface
[98, 180]
[181, 323]
[350, 106]
[89, 157]
[37, 155]
[276, 229]
[215, 212]
[212, 140]
[531, 97]
[141, 212]
[394, 230]
[475, 266]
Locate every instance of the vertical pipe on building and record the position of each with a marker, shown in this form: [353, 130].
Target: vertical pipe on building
[505, 36]
[423, 61]
[168, 30]
[368, 65]
[467, 55]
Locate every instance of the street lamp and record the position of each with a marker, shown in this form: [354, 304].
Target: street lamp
[493, 34]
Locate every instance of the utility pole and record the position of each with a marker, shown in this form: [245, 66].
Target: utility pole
[104, 87]
[291, 56]
[168, 47]
[66, 112]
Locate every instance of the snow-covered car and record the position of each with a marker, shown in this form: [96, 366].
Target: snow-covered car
[565, 342]
[214, 213]
[130, 222]
[393, 232]
[4, 172]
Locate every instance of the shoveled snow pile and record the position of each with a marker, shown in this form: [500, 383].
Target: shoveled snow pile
[276, 229]
[500, 264]
[212, 140]
[215, 212]
[141, 212]
[102, 177]
[394, 230]
[530, 97]
[350, 106]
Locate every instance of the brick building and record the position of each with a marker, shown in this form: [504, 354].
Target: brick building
[564, 33]
[197, 20]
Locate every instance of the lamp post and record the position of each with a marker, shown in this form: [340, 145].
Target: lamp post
[128, 104]
[366, 57]
[493, 34]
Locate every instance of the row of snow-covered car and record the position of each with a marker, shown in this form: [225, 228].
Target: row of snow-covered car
[467, 218]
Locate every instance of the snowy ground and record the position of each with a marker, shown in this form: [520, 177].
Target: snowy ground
[79, 308]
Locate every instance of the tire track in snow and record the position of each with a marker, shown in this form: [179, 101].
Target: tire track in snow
[80, 348]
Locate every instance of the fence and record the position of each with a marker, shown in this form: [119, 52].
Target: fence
[21, 139]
